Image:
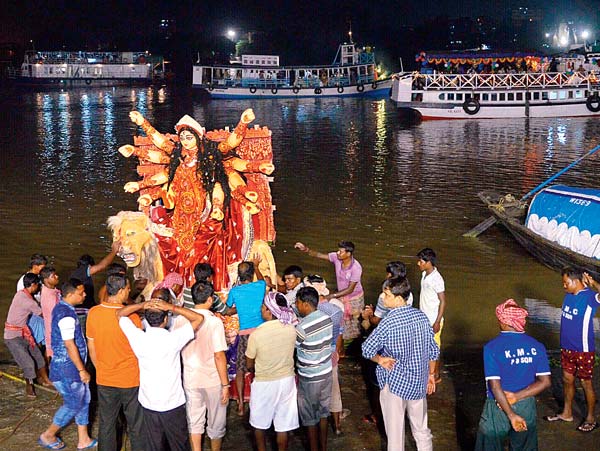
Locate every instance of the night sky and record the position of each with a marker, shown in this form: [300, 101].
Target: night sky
[129, 25]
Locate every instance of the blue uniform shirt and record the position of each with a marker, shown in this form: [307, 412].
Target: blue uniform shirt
[248, 299]
[515, 359]
[577, 322]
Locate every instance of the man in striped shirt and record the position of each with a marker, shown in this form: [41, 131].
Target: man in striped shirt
[313, 345]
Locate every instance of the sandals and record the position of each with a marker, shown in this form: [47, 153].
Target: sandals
[587, 427]
[58, 444]
[557, 417]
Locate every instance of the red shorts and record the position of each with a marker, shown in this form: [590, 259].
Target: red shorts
[579, 364]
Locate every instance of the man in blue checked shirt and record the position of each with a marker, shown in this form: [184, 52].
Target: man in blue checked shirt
[405, 352]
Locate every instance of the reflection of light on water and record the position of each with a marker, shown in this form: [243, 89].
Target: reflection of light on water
[109, 137]
[141, 103]
[550, 141]
[381, 155]
[561, 133]
[64, 121]
[86, 123]
[47, 125]
[162, 95]
[541, 312]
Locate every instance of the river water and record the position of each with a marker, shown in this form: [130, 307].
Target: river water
[345, 169]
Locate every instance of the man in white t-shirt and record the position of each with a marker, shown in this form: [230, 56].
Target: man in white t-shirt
[205, 380]
[159, 356]
[432, 300]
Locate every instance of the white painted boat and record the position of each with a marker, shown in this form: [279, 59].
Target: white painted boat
[352, 74]
[491, 96]
[84, 68]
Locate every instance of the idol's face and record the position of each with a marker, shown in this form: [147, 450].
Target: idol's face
[188, 140]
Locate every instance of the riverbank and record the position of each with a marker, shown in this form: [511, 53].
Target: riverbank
[453, 413]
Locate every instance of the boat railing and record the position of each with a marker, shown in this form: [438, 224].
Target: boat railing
[305, 82]
[503, 81]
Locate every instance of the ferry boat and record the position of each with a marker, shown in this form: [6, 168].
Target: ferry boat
[85, 68]
[488, 96]
[491, 84]
[352, 74]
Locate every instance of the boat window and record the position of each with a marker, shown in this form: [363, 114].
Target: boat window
[536, 96]
[528, 95]
[485, 97]
[570, 93]
[511, 96]
[519, 96]
[553, 95]
[442, 96]
[544, 95]
[502, 97]
[450, 96]
[459, 96]
[494, 97]
[578, 95]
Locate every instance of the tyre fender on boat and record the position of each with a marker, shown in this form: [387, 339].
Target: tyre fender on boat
[295, 89]
[88, 81]
[374, 85]
[360, 87]
[274, 90]
[471, 106]
[211, 87]
[318, 91]
[252, 89]
[593, 102]
[340, 89]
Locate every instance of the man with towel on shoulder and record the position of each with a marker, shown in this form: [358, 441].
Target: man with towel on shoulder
[270, 353]
[516, 369]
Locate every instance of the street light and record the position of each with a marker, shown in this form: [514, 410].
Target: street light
[547, 35]
[585, 34]
[231, 34]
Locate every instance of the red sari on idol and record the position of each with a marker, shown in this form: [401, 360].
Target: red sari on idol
[197, 238]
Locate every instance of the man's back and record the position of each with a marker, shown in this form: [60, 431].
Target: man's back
[405, 335]
[158, 352]
[199, 367]
[272, 347]
[247, 299]
[313, 343]
[116, 364]
[516, 359]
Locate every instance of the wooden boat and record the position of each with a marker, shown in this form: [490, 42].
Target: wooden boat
[511, 215]
[352, 74]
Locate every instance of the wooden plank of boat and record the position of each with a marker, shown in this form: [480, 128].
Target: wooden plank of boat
[549, 253]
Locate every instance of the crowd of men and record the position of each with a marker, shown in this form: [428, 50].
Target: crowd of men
[171, 363]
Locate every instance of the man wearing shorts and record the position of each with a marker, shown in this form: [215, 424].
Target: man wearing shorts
[313, 345]
[205, 380]
[270, 353]
[577, 343]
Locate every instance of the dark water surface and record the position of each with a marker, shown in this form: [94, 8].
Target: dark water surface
[345, 169]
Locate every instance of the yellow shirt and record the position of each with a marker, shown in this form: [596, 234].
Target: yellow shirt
[271, 346]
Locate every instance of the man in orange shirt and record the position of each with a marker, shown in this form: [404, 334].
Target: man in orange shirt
[117, 370]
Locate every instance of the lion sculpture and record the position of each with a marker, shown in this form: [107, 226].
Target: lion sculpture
[139, 247]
